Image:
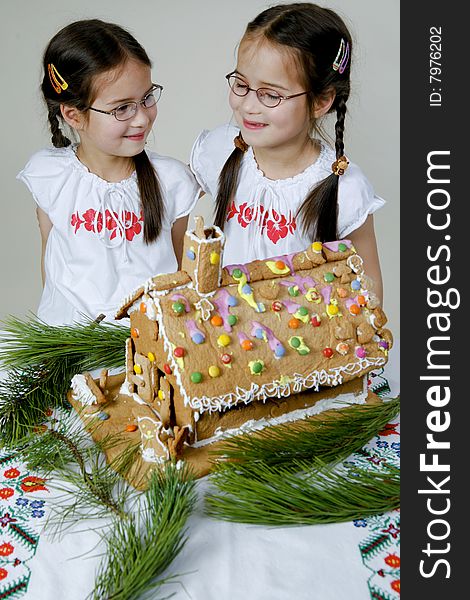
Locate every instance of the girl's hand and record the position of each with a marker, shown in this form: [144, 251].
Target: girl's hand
[45, 227]
[363, 239]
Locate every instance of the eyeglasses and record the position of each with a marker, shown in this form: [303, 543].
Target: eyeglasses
[266, 96]
[128, 110]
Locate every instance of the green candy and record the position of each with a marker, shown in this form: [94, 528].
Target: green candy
[178, 307]
[293, 291]
[257, 367]
[328, 277]
[237, 273]
[232, 320]
[303, 311]
[295, 342]
[196, 377]
[342, 247]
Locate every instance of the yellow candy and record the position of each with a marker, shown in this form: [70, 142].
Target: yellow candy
[137, 369]
[151, 356]
[331, 309]
[317, 246]
[161, 395]
[214, 258]
[224, 340]
[214, 371]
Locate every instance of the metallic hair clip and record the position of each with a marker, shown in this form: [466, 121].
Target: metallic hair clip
[240, 143]
[340, 165]
[342, 58]
[57, 81]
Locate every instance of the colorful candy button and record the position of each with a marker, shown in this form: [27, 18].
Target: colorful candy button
[342, 293]
[354, 309]
[293, 290]
[198, 338]
[361, 300]
[237, 273]
[214, 371]
[178, 308]
[342, 348]
[134, 332]
[342, 247]
[214, 258]
[232, 320]
[137, 369]
[332, 310]
[143, 307]
[327, 352]
[196, 377]
[167, 368]
[276, 306]
[217, 321]
[356, 285]
[361, 352]
[315, 321]
[151, 356]
[131, 428]
[317, 247]
[256, 366]
[247, 345]
[191, 254]
[224, 340]
[295, 342]
[179, 352]
[226, 359]
[161, 395]
[279, 264]
[294, 323]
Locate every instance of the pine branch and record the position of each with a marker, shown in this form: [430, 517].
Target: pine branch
[91, 345]
[331, 438]
[140, 549]
[266, 495]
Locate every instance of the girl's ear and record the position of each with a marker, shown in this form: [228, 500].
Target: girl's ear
[323, 103]
[72, 116]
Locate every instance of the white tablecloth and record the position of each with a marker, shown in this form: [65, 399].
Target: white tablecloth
[221, 561]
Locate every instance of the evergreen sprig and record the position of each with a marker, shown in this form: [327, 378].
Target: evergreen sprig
[304, 494]
[92, 345]
[331, 438]
[142, 547]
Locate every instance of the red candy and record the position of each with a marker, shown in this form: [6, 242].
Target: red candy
[315, 321]
[327, 352]
[226, 359]
[276, 306]
[179, 352]
[167, 368]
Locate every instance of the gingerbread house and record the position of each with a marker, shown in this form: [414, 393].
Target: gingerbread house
[216, 351]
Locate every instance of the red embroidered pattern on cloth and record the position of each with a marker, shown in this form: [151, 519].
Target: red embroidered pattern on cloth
[276, 226]
[92, 221]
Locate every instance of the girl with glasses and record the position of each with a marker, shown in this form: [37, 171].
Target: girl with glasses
[111, 214]
[277, 186]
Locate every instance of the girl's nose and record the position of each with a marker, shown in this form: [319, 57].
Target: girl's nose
[143, 116]
[251, 103]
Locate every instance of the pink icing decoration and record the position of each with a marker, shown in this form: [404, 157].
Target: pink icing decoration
[286, 258]
[291, 306]
[242, 337]
[222, 303]
[275, 344]
[193, 328]
[333, 246]
[326, 293]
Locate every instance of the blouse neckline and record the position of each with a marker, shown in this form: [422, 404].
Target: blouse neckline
[76, 162]
[322, 161]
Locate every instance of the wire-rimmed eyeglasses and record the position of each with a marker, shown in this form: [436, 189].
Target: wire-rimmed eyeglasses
[266, 96]
[126, 111]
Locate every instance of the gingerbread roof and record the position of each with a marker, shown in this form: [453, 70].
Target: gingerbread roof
[269, 328]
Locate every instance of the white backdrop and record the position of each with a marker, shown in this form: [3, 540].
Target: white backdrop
[192, 45]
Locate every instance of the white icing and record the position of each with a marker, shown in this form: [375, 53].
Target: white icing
[341, 401]
[81, 391]
[148, 453]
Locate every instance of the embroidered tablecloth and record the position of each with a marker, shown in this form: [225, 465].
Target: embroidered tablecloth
[359, 560]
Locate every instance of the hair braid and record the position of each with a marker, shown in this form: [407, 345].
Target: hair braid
[339, 126]
[228, 180]
[59, 140]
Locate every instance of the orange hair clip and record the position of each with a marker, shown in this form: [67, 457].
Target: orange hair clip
[58, 82]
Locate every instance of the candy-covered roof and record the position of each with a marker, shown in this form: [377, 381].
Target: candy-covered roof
[270, 328]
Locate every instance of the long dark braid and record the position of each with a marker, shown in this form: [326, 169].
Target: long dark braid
[313, 35]
[80, 52]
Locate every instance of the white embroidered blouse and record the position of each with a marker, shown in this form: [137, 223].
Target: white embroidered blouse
[261, 222]
[95, 254]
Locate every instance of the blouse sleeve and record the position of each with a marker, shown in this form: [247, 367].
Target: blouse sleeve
[209, 154]
[356, 200]
[41, 175]
[180, 188]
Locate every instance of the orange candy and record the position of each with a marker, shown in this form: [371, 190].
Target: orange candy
[361, 300]
[143, 307]
[134, 332]
[217, 321]
[247, 345]
[354, 309]
[294, 323]
[280, 265]
[131, 428]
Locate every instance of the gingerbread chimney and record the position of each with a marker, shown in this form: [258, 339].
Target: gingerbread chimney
[202, 256]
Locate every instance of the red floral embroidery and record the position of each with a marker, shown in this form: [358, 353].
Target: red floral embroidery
[11, 473]
[6, 493]
[278, 227]
[392, 560]
[395, 585]
[33, 484]
[6, 549]
[93, 222]
[3, 574]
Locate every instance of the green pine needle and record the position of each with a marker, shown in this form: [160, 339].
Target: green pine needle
[331, 438]
[141, 548]
[266, 495]
[32, 342]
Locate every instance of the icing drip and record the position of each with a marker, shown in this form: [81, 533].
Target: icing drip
[291, 306]
[196, 334]
[223, 302]
[326, 293]
[81, 391]
[262, 332]
[334, 246]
